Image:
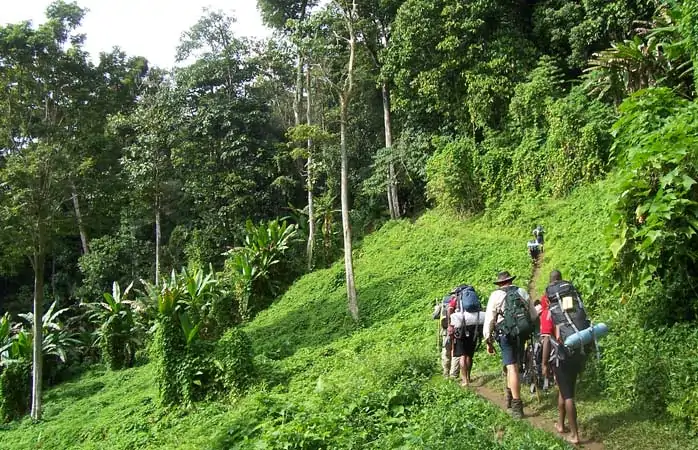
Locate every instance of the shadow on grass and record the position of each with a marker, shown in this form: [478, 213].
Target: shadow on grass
[79, 391]
[605, 424]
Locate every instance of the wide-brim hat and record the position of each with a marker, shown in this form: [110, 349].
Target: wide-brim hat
[504, 277]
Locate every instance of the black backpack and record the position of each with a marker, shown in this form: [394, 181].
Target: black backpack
[517, 323]
[567, 310]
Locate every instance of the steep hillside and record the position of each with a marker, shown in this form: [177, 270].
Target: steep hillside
[326, 383]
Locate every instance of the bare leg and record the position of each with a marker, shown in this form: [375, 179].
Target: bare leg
[571, 409]
[560, 424]
[513, 381]
[468, 368]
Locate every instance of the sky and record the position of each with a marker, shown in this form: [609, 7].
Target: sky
[149, 28]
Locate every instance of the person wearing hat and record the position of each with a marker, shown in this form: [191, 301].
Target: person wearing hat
[512, 350]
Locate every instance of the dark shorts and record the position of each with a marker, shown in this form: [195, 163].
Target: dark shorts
[512, 350]
[566, 374]
[465, 346]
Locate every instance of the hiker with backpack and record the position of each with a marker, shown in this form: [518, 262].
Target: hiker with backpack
[466, 328]
[449, 364]
[565, 316]
[509, 320]
[538, 234]
[534, 249]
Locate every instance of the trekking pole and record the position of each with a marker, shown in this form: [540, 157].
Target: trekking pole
[535, 369]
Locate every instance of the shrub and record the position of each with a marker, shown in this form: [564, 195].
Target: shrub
[117, 334]
[235, 359]
[257, 267]
[15, 389]
[121, 257]
[451, 179]
[655, 214]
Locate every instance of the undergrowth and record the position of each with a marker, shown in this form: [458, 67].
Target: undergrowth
[324, 382]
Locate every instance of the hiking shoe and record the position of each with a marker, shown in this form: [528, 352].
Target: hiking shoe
[517, 409]
[509, 398]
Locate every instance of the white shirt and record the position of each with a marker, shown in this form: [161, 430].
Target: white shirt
[493, 315]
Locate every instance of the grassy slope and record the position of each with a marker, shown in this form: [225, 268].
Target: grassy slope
[325, 383]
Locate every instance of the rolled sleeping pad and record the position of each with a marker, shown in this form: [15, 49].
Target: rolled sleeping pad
[587, 336]
[470, 318]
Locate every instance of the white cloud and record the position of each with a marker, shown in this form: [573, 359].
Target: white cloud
[149, 28]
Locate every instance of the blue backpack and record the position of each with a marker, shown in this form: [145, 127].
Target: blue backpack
[467, 299]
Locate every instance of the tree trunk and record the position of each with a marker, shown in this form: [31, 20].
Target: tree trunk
[393, 203]
[298, 95]
[311, 207]
[346, 223]
[78, 217]
[38, 339]
[157, 243]
[344, 97]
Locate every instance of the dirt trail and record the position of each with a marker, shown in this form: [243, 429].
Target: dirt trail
[535, 410]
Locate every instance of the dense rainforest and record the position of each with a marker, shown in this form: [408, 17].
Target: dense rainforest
[199, 230]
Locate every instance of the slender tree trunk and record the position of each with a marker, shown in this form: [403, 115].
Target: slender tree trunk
[78, 217]
[344, 114]
[393, 203]
[346, 223]
[298, 94]
[157, 242]
[39, 260]
[311, 207]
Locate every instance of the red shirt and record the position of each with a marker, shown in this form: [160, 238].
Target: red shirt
[546, 320]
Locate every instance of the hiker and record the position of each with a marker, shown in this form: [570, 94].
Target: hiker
[534, 249]
[449, 364]
[466, 319]
[564, 309]
[538, 233]
[509, 320]
[536, 372]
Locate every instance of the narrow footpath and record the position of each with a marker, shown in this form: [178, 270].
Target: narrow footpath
[491, 387]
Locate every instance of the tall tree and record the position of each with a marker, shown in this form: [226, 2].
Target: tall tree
[349, 12]
[147, 162]
[228, 133]
[290, 16]
[378, 16]
[38, 69]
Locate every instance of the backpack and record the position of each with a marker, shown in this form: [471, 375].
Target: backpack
[467, 299]
[517, 321]
[567, 310]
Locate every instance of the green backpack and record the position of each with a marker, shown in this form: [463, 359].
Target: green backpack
[517, 321]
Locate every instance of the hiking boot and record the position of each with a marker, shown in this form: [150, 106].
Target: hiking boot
[517, 409]
[509, 398]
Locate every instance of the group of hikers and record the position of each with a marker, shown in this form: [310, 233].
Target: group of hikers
[540, 341]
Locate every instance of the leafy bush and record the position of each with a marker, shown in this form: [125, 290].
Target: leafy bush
[451, 179]
[117, 334]
[235, 359]
[656, 215]
[120, 258]
[578, 143]
[15, 389]
[255, 267]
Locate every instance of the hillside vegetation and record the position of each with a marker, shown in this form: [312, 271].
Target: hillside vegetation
[325, 383]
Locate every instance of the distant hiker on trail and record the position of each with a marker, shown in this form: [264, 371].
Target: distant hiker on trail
[510, 320]
[564, 315]
[449, 364]
[538, 233]
[534, 249]
[465, 326]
